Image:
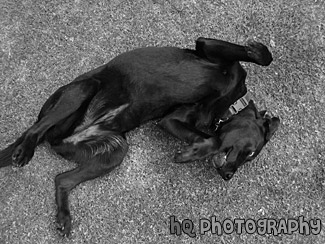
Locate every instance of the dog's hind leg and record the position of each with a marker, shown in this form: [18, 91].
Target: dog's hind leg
[62, 104]
[6, 154]
[96, 156]
[213, 50]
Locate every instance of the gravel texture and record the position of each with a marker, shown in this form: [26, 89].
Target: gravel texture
[45, 44]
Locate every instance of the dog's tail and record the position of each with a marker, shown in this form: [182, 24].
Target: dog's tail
[5, 154]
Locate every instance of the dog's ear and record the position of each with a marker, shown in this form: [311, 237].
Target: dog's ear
[271, 125]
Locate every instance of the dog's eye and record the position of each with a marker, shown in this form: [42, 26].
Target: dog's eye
[251, 154]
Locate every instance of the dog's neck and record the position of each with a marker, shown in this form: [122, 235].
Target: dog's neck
[212, 109]
[233, 109]
[237, 106]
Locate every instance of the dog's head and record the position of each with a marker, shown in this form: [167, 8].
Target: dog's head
[241, 138]
[237, 141]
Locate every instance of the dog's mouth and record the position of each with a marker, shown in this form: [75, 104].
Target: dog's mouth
[219, 160]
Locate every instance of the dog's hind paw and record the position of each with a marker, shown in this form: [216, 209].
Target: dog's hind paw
[259, 53]
[64, 223]
[21, 155]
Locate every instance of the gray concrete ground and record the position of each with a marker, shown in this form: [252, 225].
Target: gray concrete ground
[45, 44]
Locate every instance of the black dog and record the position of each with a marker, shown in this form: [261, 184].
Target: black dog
[86, 120]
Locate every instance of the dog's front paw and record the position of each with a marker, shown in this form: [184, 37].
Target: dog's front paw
[259, 53]
[194, 152]
[64, 223]
[198, 150]
[21, 155]
[184, 156]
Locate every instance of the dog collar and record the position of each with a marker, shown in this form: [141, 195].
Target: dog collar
[240, 104]
[235, 108]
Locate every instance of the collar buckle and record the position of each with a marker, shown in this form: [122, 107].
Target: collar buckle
[235, 108]
[240, 104]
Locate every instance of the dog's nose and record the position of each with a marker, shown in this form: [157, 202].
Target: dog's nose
[228, 175]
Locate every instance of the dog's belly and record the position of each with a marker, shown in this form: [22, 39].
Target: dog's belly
[146, 83]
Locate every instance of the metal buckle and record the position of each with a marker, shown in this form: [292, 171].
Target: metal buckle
[217, 124]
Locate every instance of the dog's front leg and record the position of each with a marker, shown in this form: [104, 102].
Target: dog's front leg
[217, 50]
[198, 150]
[181, 124]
